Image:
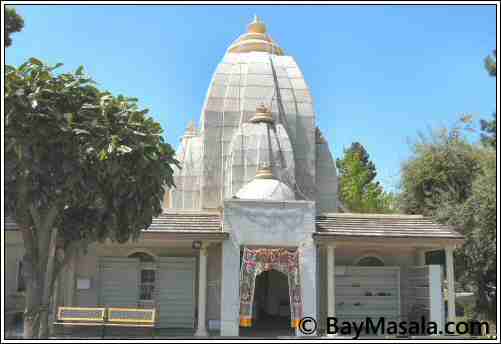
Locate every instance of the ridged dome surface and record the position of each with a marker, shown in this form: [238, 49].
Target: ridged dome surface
[267, 190]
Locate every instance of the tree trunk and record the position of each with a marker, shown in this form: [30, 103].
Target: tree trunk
[37, 246]
[33, 301]
[47, 289]
[32, 281]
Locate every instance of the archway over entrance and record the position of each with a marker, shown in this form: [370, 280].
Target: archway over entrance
[272, 314]
[255, 262]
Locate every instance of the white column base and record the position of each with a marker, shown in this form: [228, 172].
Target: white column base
[201, 332]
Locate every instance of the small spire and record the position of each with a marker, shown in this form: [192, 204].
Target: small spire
[263, 114]
[264, 172]
[191, 130]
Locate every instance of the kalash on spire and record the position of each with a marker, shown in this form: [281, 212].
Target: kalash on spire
[256, 39]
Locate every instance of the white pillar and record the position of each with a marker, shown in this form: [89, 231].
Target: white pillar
[435, 294]
[230, 288]
[451, 292]
[331, 282]
[308, 276]
[331, 287]
[202, 293]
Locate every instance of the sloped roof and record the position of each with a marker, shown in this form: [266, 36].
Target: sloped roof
[185, 220]
[382, 225]
[193, 224]
[175, 221]
[186, 225]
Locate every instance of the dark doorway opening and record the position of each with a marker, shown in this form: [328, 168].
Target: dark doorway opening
[271, 309]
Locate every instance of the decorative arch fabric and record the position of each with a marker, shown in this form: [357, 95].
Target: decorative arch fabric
[256, 261]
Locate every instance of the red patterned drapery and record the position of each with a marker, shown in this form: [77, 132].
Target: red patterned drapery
[255, 261]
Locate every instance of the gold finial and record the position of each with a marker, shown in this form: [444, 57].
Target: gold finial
[255, 39]
[257, 26]
[263, 114]
[264, 172]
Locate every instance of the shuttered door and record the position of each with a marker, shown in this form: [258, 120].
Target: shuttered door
[367, 292]
[119, 280]
[176, 292]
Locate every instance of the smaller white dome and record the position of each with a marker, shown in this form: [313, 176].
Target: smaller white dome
[266, 189]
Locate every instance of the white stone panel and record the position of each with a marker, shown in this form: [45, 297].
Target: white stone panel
[303, 96]
[217, 91]
[298, 83]
[326, 179]
[286, 95]
[224, 68]
[284, 83]
[261, 223]
[220, 79]
[260, 80]
[294, 73]
[259, 68]
[260, 92]
[281, 72]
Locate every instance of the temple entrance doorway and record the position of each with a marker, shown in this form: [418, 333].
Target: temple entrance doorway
[270, 287]
[271, 306]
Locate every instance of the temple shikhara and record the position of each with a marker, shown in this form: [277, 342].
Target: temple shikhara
[254, 237]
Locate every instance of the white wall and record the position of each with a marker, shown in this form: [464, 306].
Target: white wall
[266, 224]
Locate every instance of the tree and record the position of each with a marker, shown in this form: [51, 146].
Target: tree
[81, 166]
[357, 189]
[490, 63]
[478, 255]
[443, 165]
[489, 132]
[454, 182]
[13, 23]
[489, 128]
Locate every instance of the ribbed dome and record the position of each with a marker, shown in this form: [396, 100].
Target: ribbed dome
[186, 194]
[266, 189]
[256, 39]
[257, 143]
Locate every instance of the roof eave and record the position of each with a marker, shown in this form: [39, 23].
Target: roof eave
[324, 237]
[184, 235]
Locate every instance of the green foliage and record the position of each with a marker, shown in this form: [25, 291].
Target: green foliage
[97, 158]
[443, 165]
[478, 256]
[490, 63]
[80, 163]
[489, 128]
[13, 23]
[454, 182]
[489, 132]
[357, 189]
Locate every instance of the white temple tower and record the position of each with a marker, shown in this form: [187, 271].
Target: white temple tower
[223, 154]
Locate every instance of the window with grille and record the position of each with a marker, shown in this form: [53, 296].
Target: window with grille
[147, 285]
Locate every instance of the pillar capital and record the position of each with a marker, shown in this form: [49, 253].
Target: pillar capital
[330, 244]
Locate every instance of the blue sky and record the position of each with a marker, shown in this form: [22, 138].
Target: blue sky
[378, 74]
